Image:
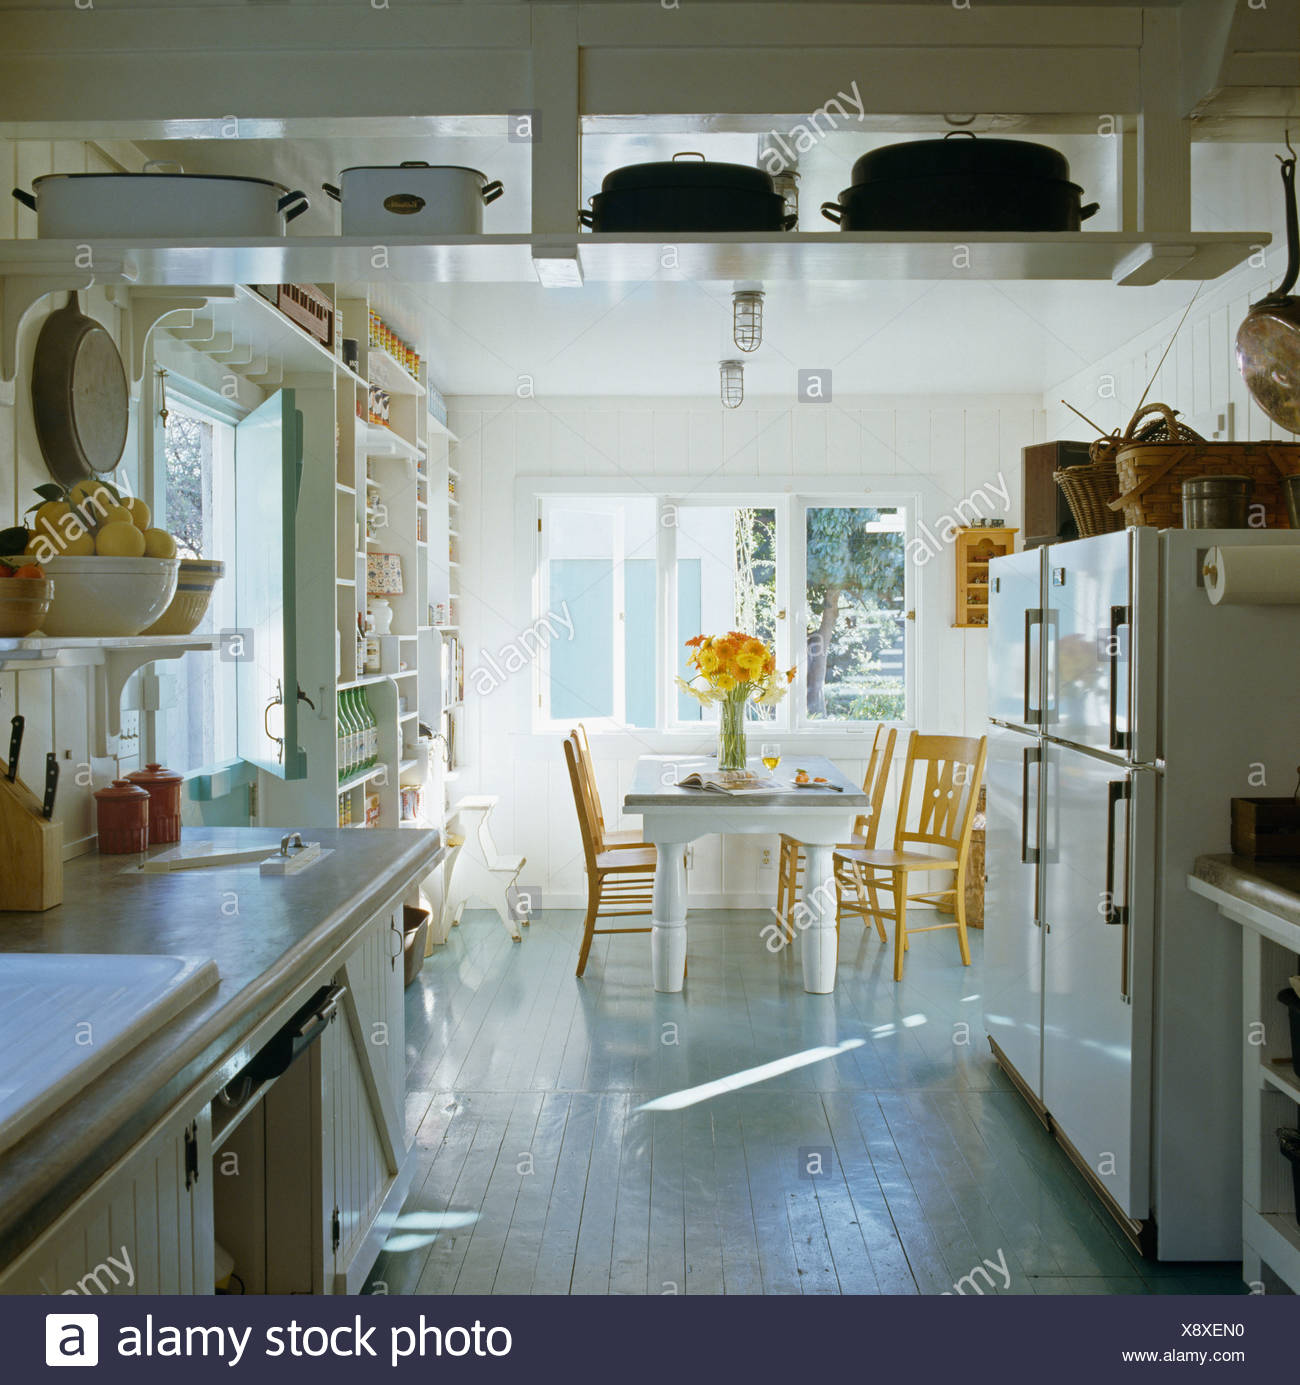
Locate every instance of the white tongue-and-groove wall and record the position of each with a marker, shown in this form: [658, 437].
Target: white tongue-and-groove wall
[937, 449]
[56, 705]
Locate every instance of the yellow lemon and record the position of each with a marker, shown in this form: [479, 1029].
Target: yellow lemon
[116, 514]
[140, 515]
[63, 533]
[50, 514]
[93, 498]
[119, 540]
[158, 543]
[76, 542]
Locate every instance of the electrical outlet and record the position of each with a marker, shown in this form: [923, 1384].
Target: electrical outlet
[765, 859]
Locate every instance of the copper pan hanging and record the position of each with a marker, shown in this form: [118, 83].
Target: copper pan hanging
[1268, 340]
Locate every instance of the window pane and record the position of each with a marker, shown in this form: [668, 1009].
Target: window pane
[726, 580]
[600, 576]
[855, 640]
[196, 727]
[582, 674]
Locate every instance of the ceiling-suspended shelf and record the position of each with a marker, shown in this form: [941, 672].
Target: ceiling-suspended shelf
[1130, 257]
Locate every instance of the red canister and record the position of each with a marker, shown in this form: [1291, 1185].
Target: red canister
[164, 789]
[122, 818]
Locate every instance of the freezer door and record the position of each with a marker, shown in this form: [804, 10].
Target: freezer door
[1015, 638]
[1098, 909]
[1097, 628]
[1013, 935]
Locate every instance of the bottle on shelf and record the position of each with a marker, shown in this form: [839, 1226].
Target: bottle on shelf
[345, 738]
[358, 732]
[371, 731]
[342, 737]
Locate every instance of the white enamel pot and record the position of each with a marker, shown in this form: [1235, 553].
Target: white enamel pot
[158, 205]
[413, 199]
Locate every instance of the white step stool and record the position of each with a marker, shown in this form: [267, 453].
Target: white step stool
[479, 870]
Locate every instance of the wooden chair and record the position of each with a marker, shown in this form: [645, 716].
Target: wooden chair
[613, 841]
[865, 827]
[620, 883]
[953, 767]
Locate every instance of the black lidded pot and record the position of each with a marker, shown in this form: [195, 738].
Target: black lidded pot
[687, 193]
[961, 183]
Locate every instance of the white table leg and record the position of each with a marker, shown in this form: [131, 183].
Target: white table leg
[668, 934]
[815, 922]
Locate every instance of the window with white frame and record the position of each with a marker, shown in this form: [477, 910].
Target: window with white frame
[195, 727]
[821, 579]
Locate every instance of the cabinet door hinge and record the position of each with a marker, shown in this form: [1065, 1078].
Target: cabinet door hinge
[336, 1230]
[191, 1155]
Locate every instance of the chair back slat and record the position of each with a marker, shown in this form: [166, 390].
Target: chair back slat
[943, 773]
[587, 823]
[589, 768]
[875, 782]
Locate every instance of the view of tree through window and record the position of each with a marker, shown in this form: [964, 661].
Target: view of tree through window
[855, 644]
[189, 479]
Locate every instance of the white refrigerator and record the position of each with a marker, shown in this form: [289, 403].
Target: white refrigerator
[1125, 712]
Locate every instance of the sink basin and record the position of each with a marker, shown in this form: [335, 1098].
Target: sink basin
[66, 1017]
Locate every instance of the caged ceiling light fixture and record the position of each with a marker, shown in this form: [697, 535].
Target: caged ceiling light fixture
[731, 383]
[747, 319]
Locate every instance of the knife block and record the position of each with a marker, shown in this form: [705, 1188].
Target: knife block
[31, 848]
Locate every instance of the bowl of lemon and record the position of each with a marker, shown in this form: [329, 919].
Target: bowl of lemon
[114, 574]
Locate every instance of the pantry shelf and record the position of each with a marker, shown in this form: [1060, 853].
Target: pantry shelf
[380, 441]
[389, 374]
[354, 781]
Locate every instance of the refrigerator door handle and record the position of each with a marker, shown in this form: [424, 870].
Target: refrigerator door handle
[1031, 755]
[1113, 912]
[1028, 854]
[1033, 617]
[1120, 616]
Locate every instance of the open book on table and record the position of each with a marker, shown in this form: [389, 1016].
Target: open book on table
[728, 781]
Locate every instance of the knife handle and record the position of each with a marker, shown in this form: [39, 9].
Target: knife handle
[51, 783]
[15, 744]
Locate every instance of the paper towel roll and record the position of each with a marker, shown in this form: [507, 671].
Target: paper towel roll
[1264, 576]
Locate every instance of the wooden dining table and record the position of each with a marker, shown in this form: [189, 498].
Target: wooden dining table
[819, 816]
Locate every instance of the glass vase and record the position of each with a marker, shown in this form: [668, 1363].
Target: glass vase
[732, 751]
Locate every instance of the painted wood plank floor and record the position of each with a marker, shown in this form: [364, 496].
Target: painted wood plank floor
[906, 1164]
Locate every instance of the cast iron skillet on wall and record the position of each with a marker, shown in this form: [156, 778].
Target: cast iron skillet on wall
[961, 183]
[1268, 340]
[80, 400]
[682, 195]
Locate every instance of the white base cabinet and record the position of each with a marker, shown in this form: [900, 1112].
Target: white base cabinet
[144, 1228]
[301, 1187]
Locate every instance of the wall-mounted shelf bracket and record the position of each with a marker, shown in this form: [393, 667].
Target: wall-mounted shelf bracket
[145, 308]
[19, 294]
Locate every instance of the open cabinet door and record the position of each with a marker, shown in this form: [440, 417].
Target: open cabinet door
[268, 468]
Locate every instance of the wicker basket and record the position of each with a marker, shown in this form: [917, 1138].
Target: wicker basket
[1089, 488]
[1151, 471]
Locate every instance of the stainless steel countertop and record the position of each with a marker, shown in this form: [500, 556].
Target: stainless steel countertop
[267, 935]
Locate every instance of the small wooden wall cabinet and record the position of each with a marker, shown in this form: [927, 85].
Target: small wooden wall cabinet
[974, 548]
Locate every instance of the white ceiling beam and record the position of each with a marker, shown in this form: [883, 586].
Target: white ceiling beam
[1023, 80]
[557, 151]
[1164, 139]
[693, 24]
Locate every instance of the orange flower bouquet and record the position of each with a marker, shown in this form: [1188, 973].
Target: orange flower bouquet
[733, 669]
